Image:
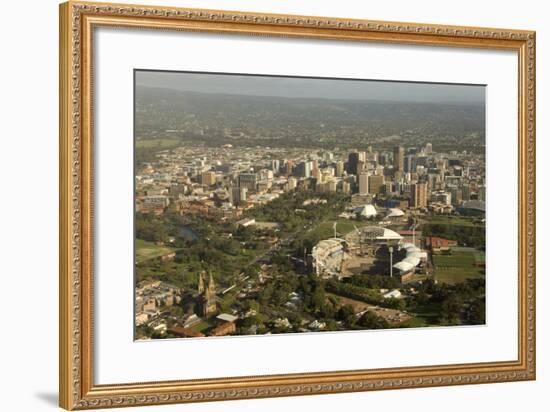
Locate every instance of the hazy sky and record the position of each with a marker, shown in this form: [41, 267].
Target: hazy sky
[312, 88]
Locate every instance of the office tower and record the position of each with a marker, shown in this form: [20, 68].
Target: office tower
[248, 180]
[363, 183]
[383, 159]
[316, 173]
[314, 164]
[339, 168]
[208, 178]
[361, 166]
[419, 195]
[375, 184]
[346, 187]
[410, 164]
[275, 164]
[303, 169]
[237, 194]
[289, 167]
[398, 158]
[428, 149]
[353, 160]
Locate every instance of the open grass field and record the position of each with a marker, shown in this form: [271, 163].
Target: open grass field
[454, 220]
[461, 264]
[148, 250]
[325, 230]
[157, 143]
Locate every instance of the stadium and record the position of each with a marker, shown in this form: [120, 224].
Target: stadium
[368, 249]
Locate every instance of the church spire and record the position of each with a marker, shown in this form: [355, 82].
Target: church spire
[211, 284]
[201, 287]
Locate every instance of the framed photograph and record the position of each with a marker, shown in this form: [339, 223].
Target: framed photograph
[258, 205]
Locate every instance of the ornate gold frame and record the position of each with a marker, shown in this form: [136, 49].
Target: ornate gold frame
[77, 22]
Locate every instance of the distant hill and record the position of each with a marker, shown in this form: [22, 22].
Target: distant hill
[254, 117]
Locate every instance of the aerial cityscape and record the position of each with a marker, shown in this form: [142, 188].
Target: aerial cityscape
[271, 205]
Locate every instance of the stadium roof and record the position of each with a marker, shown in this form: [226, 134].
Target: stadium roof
[379, 233]
[395, 212]
[412, 259]
[391, 235]
[404, 266]
[474, 204]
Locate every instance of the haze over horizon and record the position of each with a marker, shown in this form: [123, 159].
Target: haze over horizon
[321, 88]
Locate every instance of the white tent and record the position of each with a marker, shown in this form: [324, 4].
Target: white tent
[366, 210]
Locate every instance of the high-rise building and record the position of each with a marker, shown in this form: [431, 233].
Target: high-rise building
[399, 158]
[237, 194]
[363, 183]
[248, 180]
[428, 149]
[361, 166]
[456, 196]
[410, 164]
[208, 178]
[303, 169]
[275, 164]
[419, 195]
[316, 173]
[289, 167]
[339, 168]
[346, 187]
[376, 182]
[353, 160]
[314, 164]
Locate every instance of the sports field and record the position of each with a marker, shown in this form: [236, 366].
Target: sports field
[460, 264]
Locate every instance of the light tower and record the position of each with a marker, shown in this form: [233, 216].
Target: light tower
[413, 230]
[391, 261]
